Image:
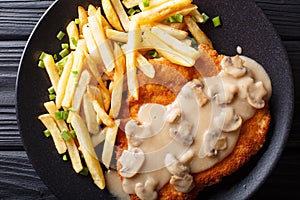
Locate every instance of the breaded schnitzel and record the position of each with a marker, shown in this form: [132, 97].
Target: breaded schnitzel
[164, 88]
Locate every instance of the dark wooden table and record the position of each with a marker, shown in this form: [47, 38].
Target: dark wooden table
[18, 179]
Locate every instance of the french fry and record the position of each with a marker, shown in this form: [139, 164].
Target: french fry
[197, 33]
[146, 67]
[109, 144]
[52, 71]
[197, 15]
[175, 44]
[117, 35]
[121, 13]
[83, 82]
[103, 115]
[88, 150]
[73, 34]
[120, 61]
[102, 43]
[106, 98]
[152, 3]
[160, 12]
[91, 10]
[116, 98]
[90, 114]
[179, 34]
[111, 14]
[130, 3]
[50, 124]
[63, 81]
[166, 51]
[99, 137]
[185, 11]
[95, 94]
[71, 146]
[82, 16]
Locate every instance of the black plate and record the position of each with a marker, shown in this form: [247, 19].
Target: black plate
[244, 24]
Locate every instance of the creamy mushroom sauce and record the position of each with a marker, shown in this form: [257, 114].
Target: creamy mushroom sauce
[198, 130]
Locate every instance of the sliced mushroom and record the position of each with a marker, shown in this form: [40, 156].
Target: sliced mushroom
[183, 133]
[256, 93]
[182, 184]
[227, 120]
[174, 166]
[137, 133]
[146, 191]
[197, 87]
[233, 66]
[173, 113]
[213, 142]
[131, 161]
[187, 156]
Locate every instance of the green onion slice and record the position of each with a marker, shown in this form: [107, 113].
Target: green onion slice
[74, 41]
[41, 64]
[61, 115]
[205, 17]
[52, 97]
[42, 56]
[64, 53]
[60, 35]
[216, 21]
[146, 3]
[84, 171]
[72, 133]
[47, 133]
[64, 45]
[172, 19]
[77, 21]
[65, 135]
[65, 157]
[179, 18]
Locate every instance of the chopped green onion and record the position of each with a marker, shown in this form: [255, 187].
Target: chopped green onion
[65, 135]
[172, 19]
[152, 53]
[42, 56]
[72, 133]
[55, 57]
[205, 17]
[52, 97]
[41, 64]
[62, 62]
[146, 3]
[74, 41]
[60, 70]
[64, 45]
[165, 21]
[51, 90]
[60, 35]
[216, 21]
[132, 11]
[47, 133]
[75, 73]
[77, 21]
[61, 115]
[179, 18]
[63, 53]
[65, 157]
[84, 171]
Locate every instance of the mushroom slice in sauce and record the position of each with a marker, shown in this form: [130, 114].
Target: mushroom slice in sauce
[182, 184]
[146, 191]
[131, 162]
[183, 133]
[213, 142]
[256, 93]
[174, 166]
[233, 66]
[232, 121]
[173, 113]
[197, 87]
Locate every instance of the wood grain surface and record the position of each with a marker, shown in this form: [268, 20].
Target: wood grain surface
[18, 179]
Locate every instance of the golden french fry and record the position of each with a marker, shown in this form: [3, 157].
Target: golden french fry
[197, 15]
[105, 23]
[121, 13]
[50, 124]
[102, 43]
[63, 81]
[81, 44]
[185, 11]
[166, 51]
[73, 34]
[106, 98]
[161, 11]
[120, 62]
[95, 94]
[90, 114]
[88, 150]
[116, 98]
[130, 3]
[117, 35]
[177, 33]
[73, 78]
[109, 144]
[197, 33]
[175, 44]
[82, 16]
[152, 3]
[83, 82]
[52, 71]
[91, 10]
[71, 146]
[102, 114]
[146, 67]
[111, 14]
[99, 137]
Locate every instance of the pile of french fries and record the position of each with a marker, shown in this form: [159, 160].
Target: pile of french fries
[105, 47]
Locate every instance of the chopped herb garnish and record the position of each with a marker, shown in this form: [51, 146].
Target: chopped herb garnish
[60, 35]
[51, 90]
[75, 73]
[64, 53]
[62, 62]
[55, 56]
[132, 11]
[216, 21]
[41, 64]
[172, 19]
[205, 17]
[65, 135]
[72, 133]
[166, 21]
[65, 157]
[60, 70]
[47, 133]
[74, 41]
[152, 53]
[179, 18]
[42, 56]
[52, 97]
[77, 21]
[146, 3]
[61, 115]
[64, 45]
[84, 171]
